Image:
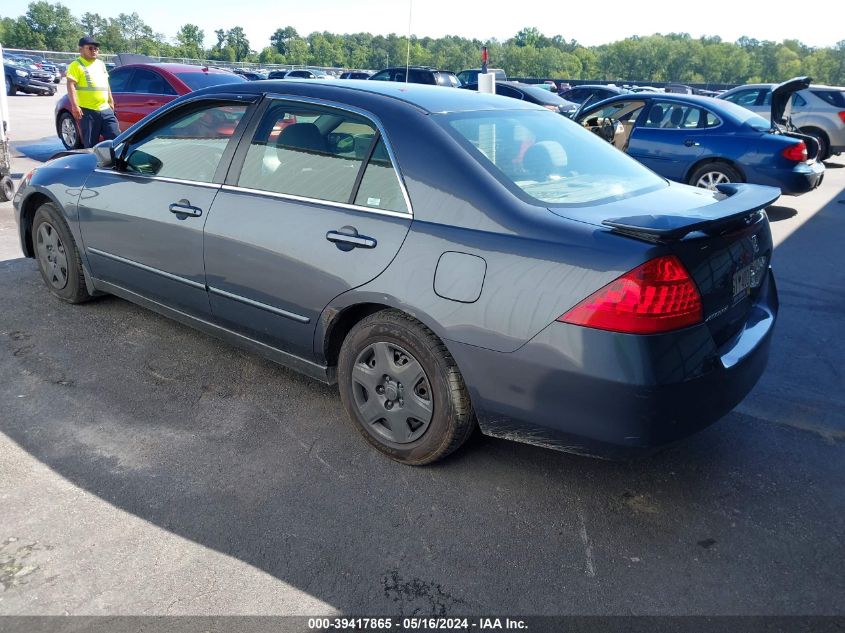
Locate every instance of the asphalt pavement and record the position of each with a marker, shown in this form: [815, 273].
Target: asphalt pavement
[146, 468]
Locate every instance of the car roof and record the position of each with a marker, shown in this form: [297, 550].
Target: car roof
[431, 99]
[177, 68]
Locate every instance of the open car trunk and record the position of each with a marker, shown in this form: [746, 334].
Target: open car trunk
[781, 117]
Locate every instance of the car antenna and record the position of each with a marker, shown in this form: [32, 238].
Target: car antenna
[408, 56]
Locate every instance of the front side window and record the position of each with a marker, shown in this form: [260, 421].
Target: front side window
[148, 82]
[318, 153]
[188, 147]
[384, 75]
[119, 80]
[548, 157]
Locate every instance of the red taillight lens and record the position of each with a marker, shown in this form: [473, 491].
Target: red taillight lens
[658, 296]
[797, 152]
[842, 116]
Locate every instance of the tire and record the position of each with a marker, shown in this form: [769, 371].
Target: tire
[7, 189]
[68, 131]
[391, 344]
[708, 175]
[57, 255]
[821, 138]
[10, 86]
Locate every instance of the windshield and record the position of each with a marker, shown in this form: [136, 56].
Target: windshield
[195, 81]
[550, 158]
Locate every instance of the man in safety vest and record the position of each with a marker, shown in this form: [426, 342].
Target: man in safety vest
[90, 97]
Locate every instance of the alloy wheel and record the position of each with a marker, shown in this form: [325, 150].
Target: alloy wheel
[69, 134]
[710, 179]
[392, 392]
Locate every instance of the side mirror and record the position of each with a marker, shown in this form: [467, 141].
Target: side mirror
[105, 154]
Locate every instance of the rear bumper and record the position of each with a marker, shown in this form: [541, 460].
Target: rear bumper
[800, 179]
[613, 395]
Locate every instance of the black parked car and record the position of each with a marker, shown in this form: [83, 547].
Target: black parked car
[19, 78]
[355, 74]
[450, 259]
[584, 93]
[532, 94]
[418, 75]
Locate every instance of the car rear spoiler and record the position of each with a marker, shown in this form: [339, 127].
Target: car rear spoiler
[741, 201]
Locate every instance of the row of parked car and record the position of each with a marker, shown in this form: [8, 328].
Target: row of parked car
[32, 75]
[699, 140]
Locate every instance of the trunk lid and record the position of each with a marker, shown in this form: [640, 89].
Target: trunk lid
[725, 244]
[781, 95]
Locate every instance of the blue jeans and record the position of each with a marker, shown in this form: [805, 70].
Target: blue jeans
[97, 123]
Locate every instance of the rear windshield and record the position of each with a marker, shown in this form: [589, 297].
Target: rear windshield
[542, 95]
[195, 81]
[548, 158]
[835, 98]
[744, 115]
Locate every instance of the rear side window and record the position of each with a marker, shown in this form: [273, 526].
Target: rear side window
[188, 147]
[318, 153]
[833, 97]
[745, 98]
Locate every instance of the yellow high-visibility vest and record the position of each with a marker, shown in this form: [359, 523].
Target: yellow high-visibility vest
[92, 83]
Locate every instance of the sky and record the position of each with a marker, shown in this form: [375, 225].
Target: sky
[589, 23]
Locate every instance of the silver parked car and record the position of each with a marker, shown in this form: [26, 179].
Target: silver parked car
[815, 110]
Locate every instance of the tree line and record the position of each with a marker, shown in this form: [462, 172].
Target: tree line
[529, 53]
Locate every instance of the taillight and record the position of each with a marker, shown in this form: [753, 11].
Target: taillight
[842, 116]
[797, 152]
[553, 108]
[658, 296]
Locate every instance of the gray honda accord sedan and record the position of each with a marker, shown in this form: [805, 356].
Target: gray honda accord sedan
[451, 259]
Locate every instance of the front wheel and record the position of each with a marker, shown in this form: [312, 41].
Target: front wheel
[57, 256]
[402, 389]
[10, 86]
[68, 132]
[711, 174]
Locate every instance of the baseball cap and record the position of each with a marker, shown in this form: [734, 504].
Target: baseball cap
[88, 41]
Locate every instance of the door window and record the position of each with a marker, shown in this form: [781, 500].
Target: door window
[187, 147]
[119, 80]
[320, 156]
[149, 82]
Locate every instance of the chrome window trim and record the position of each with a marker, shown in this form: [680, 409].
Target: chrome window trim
[330, 203]
[178, 181]
[149, 269]
[370, 117]
[257, 304]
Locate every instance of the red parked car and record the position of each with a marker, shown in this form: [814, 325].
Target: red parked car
[138, 89]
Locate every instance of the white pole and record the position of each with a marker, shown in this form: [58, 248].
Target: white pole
[408, 57]
[4, 108]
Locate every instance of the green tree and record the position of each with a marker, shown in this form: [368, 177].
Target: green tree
[52, 24]
[280, 38]
[190, 40]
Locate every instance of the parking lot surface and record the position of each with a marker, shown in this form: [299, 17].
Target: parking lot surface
[146, 468]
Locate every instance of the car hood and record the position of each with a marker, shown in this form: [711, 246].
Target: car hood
[781, 94]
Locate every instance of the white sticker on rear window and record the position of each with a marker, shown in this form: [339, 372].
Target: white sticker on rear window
[373, 202]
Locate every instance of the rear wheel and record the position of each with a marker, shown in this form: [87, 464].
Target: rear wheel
[711, 174]
[68, 132]
[402, 389]
[57, 256]
[821, 138]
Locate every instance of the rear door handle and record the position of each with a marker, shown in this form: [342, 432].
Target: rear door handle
[350, 241]
[691, 143]
[183, 208]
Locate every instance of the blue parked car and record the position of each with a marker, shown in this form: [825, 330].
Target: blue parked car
[706, 142]
[450, 259]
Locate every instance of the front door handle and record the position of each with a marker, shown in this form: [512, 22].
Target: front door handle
[346, 241]
[691, 143]
[183, 207]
